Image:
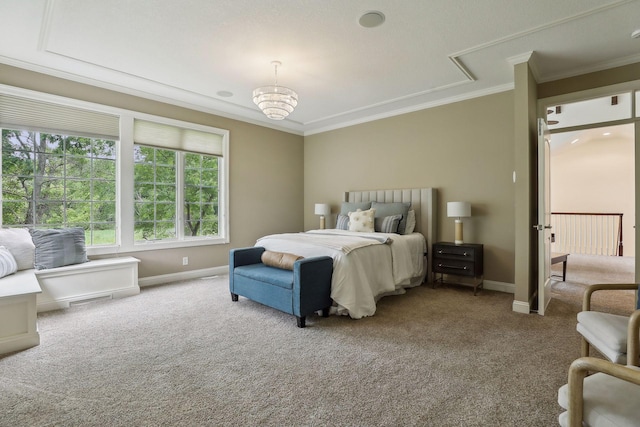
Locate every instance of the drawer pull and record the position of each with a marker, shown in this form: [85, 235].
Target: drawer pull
[454, 267]
[442, 252]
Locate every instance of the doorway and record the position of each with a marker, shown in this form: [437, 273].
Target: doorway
[593, 212]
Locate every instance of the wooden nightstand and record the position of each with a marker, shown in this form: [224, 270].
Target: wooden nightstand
[464, 262]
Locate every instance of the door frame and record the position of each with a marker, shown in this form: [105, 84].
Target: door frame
[633, 86]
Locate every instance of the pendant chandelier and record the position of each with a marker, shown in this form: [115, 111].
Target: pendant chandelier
[276, 102]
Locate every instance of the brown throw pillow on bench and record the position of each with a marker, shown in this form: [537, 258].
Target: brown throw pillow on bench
[281, 260]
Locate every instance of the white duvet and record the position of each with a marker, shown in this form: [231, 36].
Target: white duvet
[366, 266]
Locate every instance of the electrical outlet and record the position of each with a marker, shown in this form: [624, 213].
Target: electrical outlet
[185, 260]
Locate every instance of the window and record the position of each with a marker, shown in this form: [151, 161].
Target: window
[176, 191]
[201, 195]
[131, 180]
[156, 195]
[55, 181]
[595, 110]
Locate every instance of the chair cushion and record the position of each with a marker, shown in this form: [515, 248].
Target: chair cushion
[266, 274]
[607, 332]
[608, 401]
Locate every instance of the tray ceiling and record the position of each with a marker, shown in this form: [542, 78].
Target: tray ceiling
[211, 54]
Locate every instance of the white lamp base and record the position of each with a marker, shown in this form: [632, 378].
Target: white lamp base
[322, 223]
[458, 240]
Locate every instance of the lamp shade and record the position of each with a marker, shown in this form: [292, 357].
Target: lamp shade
[458, 209]
[322, 209]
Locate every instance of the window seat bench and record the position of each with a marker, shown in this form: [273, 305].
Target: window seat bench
[28, 292]
[101, 278]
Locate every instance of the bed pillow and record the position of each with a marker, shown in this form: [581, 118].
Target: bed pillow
[58, 247]
[411, 222]
[389, 209]
[18, 242]
[343, 222]
[8, 264]
[347, 207]
[390, 224]
[281, 260]
[362, 220]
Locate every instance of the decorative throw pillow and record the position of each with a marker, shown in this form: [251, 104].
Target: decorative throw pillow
[59, 247]
[347, 207]
[18, 242]
[390, 224]
[281, 260]
[362, 220]
[411, 222]
[8, 264]
[343, 222]
[388, 209]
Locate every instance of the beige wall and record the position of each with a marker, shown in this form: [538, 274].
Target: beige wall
[465, 150]
[612, 76]
[266, 172]
[597, 175]
[468, 150]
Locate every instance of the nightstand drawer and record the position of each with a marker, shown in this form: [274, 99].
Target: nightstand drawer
[454, 266]
[455, 252]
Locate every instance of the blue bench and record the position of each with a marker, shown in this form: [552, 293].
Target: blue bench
[300, 292]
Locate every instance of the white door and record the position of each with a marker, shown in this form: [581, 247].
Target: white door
[544, 217]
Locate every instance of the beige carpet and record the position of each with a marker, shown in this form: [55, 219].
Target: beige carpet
[583, 270]
[184, 354]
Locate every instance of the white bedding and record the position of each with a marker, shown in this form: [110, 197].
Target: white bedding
[366, 266]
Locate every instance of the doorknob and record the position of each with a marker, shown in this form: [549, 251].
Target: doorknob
[541, 227]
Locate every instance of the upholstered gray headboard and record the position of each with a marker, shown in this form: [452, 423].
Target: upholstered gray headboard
[423, 201]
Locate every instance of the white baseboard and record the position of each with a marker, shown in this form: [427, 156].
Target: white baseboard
[521, 307]
[518, 306]
[492, 285]
[22, 342]
[183, 275]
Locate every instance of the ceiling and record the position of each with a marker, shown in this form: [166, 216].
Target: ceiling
[566, 140]
[211, 54]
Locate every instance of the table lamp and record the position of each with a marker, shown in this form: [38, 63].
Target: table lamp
[323, 210]
[458, 210]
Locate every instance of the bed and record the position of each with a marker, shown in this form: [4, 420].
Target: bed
[368, 266]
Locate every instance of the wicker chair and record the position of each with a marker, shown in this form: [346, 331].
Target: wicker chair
[609, 397]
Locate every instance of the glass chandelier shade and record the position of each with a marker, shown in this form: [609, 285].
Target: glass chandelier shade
[276, 102]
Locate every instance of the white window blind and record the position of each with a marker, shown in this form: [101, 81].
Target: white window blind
[177, 138]
[35, 115]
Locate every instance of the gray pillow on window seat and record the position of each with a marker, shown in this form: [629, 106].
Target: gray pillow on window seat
[58, 247]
